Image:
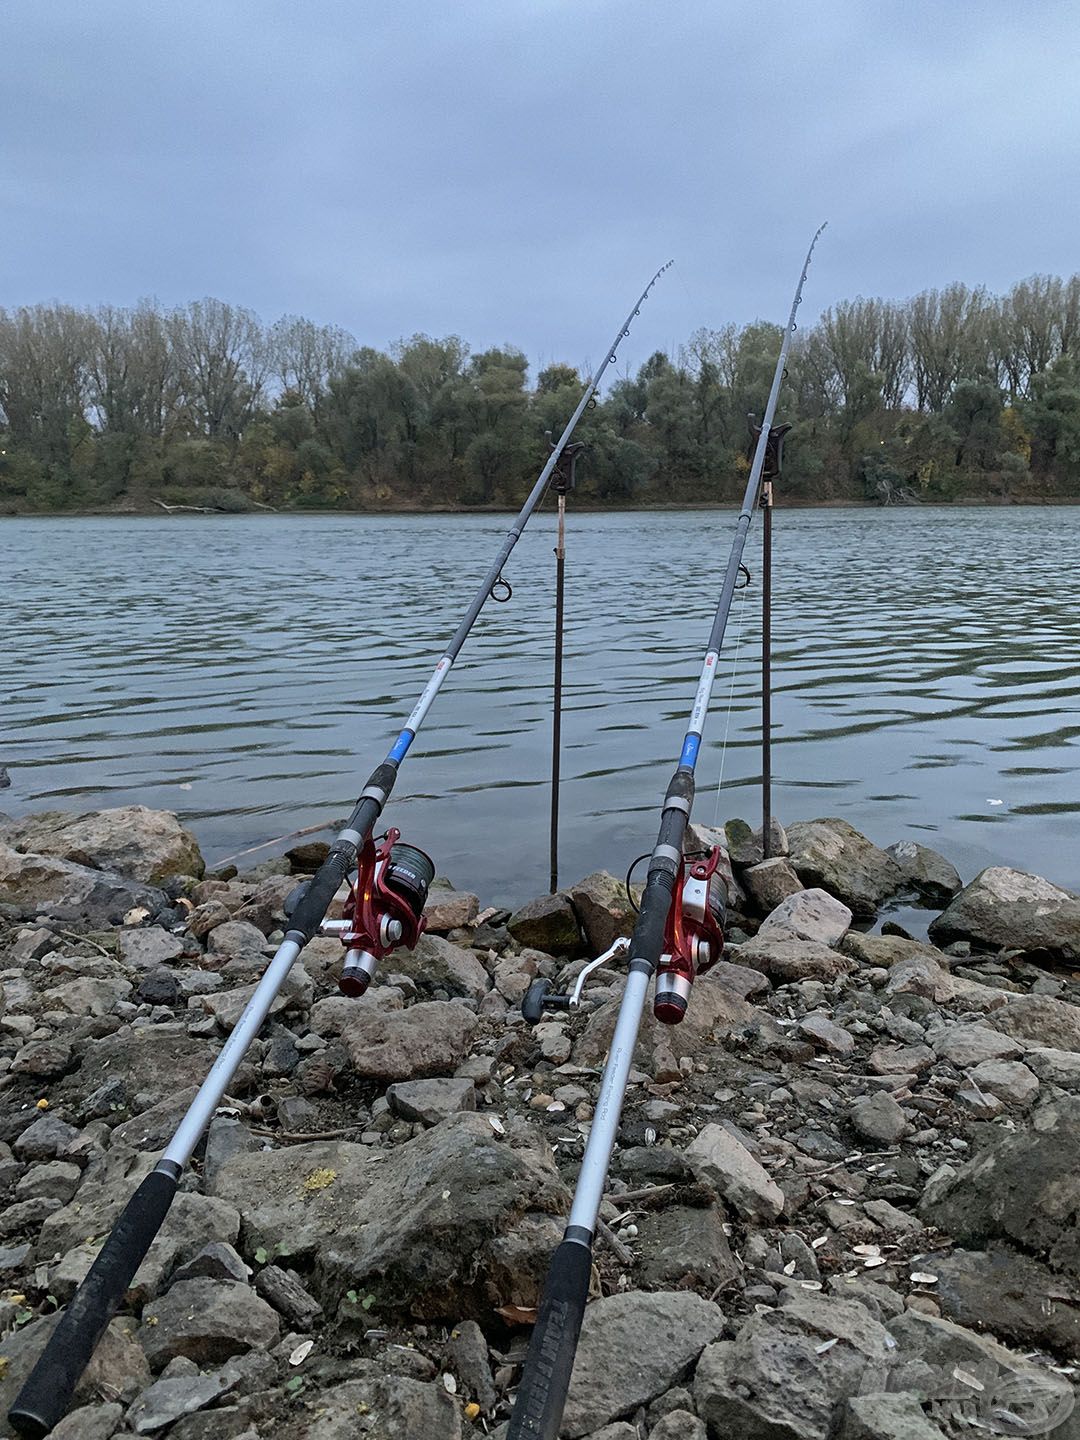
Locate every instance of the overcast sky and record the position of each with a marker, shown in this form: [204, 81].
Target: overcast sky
[514, 170]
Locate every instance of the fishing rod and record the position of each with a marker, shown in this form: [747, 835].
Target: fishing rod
[384, 910]
[677, 936]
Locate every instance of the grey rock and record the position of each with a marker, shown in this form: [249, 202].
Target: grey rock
[878, 1118]
[159, 987]
[967, 1045]
[427, 1039]
[1009, 1080]
[898, 1416]
[207, 1321]
[720, 1160]
[154, 1061]
[771, 882]
[1040, 1020]
[43, 1059]
[1013, 910]
[430, 1101]
[633, 1347]
[785, 959]
[833, 855]
[678, 1425]
[548, 923]
[131, 841]
[216, 1261]
[436, 964]
[603, 908]
[26, 1215]
[1025, 1302]
[808, 915]
[148, 949]
[31, 945]
[1058, 1067]
[740, 980]
[286, 1293]
[826, 1035]
[14, 1257]
[775, 1381]
[681, 1241]
[399, 1407]
[415, 1224]
[237, 939]
[152, 1126]
[449, 909]
[90, 1422]
[296, 994]
[265, 907]
[46, 1139]
[929, 1340]
[1024, 1187]
[744, 844]
[166, 1400]
[467, 1355]
[935, 878]
[57, 1180]
[118, 1367]
[900, 1059]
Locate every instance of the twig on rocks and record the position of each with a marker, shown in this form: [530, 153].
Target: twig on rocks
[297, 1136]
[85, 940]
[621, 1252]
[648, 1193]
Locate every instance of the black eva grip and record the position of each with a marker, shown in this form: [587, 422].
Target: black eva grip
[49, 1387]
[541, 1395]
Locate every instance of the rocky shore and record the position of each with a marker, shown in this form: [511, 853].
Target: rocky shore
[845, 1200]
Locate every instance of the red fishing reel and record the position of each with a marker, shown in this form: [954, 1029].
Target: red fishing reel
[385, 908]
[694, 934]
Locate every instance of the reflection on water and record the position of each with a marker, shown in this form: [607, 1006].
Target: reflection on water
[248, 672]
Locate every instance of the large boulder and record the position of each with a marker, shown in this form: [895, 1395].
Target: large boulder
[833, 855]
[634, 1347]
[389, 1405]
[935, 878]
[720, 1160]
[603, 908]
[436, 964]
[1024, 1188]
[808, 915]
[716, 1012]
[784, 958]
[1010, 909]
[140, 844]
[71, 892]
[548, 923]
[416, 1226]
[1039, 1020]
[427, 1039]
[1026, 1303]
[781, 1378]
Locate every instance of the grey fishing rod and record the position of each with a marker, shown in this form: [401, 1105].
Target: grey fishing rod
[541, 1396]
[399, 874]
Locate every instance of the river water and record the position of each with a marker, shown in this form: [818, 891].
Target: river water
[248, 672]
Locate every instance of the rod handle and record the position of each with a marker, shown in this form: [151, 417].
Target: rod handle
[541, 1396]
[48, 1389]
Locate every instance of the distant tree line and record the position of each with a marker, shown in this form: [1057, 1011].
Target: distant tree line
[954, 394]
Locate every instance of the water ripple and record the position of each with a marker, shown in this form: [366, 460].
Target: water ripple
[917, 654]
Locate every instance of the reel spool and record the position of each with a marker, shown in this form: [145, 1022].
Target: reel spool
[385, 908]
[693, 935]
